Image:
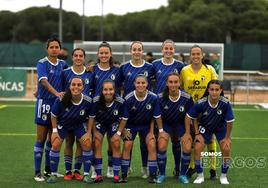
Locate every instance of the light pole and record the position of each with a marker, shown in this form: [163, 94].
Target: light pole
[102, 22]
[83, 22]
[60, 22]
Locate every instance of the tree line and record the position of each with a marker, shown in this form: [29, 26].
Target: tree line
[182, 20]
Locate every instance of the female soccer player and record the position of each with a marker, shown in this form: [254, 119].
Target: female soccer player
[70, 114]
[105, 70]
[194, 79]
[107, 111]
[129, 72]
[141, 107]
[77, 70]
[174, 103]
[162, 68]
[49, 87]
[213, 115]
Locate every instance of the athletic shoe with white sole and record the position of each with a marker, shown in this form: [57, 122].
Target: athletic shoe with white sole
[200, 179]
[224, 180]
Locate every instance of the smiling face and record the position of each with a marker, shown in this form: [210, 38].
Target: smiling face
[214, 91]
[108, 91]
[168, 50]
[78, 58]
[53, 49]
[173, 83]
[196, 55]
[136, 51]
[76, 86]
[140, 84]
[104, 54]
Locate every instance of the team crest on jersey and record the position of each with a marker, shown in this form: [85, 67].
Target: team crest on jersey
[114, 127]
[44, 117]
[219, 112]
[59, 127]
[82, 112]
[112, 77]
[145, 73]
[148, 106]
[86, 81]
[166, 107]
[175, 70]
[203, 77]
[115, 112]
[181, 109]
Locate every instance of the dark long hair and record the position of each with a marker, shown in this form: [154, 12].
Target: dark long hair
[102, 103]
[107, 45]
[166, 90]
[197, 46]
[67, 97]
[76, 49]
[218, 82]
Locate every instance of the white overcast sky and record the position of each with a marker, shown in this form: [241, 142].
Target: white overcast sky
[92, 7]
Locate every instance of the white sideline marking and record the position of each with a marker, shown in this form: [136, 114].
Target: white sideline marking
[21, 105]
[3, 106]
[250, 110]
[17, 134]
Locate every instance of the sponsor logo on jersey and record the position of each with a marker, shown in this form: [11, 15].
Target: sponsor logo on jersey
[133, 108]
[112, 77]
[82, 112]
[166, 107]
[129, 73]
[115, 112]
[205, 113]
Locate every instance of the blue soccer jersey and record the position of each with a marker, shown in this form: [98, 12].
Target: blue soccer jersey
[212, 118]
[100, 75]
[87, 77]
[129, 72]
[162, 70]
[75, 114]
[51, 72]
[173, 112]
[141, 112]
[109, 115]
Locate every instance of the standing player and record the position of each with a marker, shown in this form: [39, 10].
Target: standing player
[69, 114]
[48, 89]
[213, 115]
[107, 111]
[105, 70]
[77, 70]
[162, 68]
[129, 72]
[174, 103]
[194, 79]
[141, 107]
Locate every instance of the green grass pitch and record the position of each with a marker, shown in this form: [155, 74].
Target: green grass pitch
[249, 152]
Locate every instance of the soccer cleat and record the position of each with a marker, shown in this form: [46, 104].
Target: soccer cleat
[224, 180]
[200, 179]
[68, 176]
[151, 179]
[98, 179]
[176, 172]
[47, 174]
[183, 179]
[213, 175]
[110, 172]
[116, 179]
[38, 177]
[58, 175]
[52, 179]
[77, 175]
[190, 172]
[144, 172]
[160, 179]
[87, 179]
[93, 173]
[123, 179]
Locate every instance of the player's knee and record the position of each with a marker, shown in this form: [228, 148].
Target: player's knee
[127, 147]
[85, 144]
[198, 147]
[56, 144]
[116, 145]
[187, 147]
